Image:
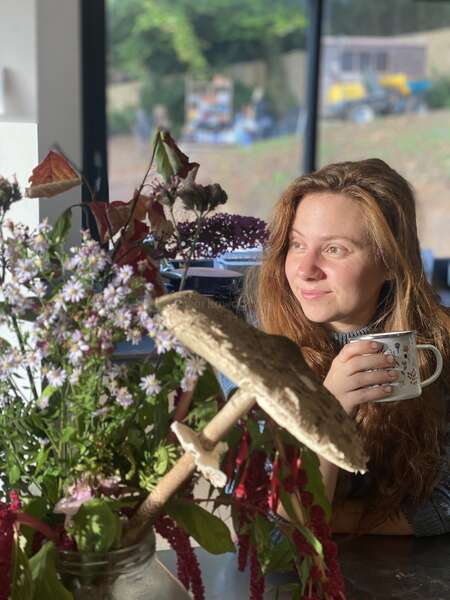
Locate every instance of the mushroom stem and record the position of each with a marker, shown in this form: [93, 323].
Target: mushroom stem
[238, 405]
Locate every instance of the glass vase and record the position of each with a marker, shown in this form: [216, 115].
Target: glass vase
[132, 573]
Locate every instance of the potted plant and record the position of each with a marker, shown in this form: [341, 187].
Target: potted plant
[86, 437]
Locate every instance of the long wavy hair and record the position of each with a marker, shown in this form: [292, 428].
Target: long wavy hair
[404, 440]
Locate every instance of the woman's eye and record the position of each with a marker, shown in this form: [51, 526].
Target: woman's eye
[335, 250]
[295, 245]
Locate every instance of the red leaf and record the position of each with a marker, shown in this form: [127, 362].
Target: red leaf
[52, 176]
[99, 210]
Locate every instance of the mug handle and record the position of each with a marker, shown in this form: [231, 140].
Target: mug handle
[439, 363]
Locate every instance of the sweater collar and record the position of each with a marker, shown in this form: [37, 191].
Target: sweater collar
[342, 338]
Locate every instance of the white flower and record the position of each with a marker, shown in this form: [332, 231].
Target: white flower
[124, 274]
[109, 294]
[12, 293]
[122, 318]
[25, 270]
[150, 385]
[195, 366]
[56, 377]
[75, 376]
[188, 382]
[38, 287]
[122, 292]
[164, 342]
[134, 336]
[73, 291]
[123, 397]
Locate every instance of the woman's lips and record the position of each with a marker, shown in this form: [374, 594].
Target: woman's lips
[313, 294]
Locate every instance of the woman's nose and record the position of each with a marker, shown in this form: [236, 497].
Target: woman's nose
[309, 266]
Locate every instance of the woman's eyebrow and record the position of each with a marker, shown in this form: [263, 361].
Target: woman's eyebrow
[335, 236]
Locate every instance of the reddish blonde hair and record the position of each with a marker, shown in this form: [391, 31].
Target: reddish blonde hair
[403, 439]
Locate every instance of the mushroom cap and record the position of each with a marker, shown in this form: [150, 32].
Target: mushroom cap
[270, 367]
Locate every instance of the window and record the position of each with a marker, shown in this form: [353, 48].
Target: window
[231, 106]
[399, 110]
[347, 61]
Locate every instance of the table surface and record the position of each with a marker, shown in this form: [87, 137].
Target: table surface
[375, 568]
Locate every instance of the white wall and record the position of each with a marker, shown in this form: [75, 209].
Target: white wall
[40, 53]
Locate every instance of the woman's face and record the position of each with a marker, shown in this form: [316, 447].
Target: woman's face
[330, 265]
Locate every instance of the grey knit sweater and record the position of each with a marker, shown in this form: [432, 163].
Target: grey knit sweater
[430, 518]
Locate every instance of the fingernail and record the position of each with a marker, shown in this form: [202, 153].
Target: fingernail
[390, 358]
[375, 345]
[387, 389]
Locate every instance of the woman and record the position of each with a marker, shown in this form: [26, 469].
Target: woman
[343, 259]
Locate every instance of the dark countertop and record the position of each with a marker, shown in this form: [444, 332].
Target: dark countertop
[394, 567]
[375, 568]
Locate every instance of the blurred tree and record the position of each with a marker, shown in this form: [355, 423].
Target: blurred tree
[200, 37]
[385, 17]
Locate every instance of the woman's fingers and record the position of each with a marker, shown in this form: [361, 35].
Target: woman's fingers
[369, 394]
[369, 361]
[353, 349]
[378, 377]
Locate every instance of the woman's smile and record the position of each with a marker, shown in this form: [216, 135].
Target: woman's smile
[314, 294]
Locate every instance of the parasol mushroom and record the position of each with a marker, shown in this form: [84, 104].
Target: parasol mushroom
[269, 370]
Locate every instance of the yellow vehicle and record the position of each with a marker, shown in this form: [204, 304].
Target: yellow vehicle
[360, 100]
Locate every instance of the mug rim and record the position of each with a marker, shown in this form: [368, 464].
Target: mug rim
[367, 336]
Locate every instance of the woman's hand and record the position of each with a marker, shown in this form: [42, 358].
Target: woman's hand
[351, 374]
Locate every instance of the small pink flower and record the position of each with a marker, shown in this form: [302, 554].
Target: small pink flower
[76, 495]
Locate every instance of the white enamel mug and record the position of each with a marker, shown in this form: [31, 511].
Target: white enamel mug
[403, 347]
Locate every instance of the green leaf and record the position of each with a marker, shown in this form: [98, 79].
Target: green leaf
[13, 474]
[163, 164]
[36, 507]
[311, 539]
[95, 527]
[62, 227]
[280, 556]
[45, 579]
[161, 460]
[68, 433]
[207, 529]
[286, 502]
[170, 160]
[310, 463]
[303, 572]
[21, 580]
[272, 555]
[46, 394]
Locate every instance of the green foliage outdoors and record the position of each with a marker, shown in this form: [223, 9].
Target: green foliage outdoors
[438, 96]
[384, 17]
[168, 91]
[150, 39]
[121, 121]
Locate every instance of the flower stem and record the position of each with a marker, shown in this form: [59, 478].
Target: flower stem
[22, 349]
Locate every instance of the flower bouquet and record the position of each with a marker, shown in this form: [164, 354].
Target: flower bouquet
[86, 436]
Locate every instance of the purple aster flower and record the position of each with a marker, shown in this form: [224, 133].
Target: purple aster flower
[73, 291]
[123, 397]
[150, 385]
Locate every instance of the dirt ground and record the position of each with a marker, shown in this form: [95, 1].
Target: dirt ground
[418, 146]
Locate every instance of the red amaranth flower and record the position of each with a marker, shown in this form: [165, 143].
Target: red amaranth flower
[244, 546]
[257, 581]
[188, 568]
[274, 493]
[303, 546]
[7, 522]
[15, 503]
